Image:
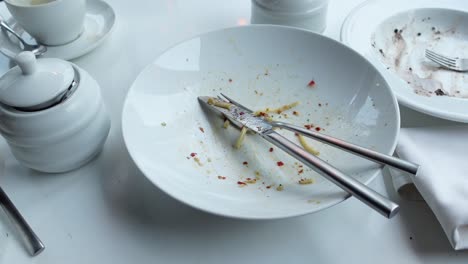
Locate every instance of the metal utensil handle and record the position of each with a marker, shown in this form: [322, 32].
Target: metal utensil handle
[361, 151]
[9, 29]
[370, 197]
[33, 243]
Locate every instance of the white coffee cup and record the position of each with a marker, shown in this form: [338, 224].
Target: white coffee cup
[50, 22]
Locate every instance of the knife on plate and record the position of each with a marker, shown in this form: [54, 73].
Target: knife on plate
[242, 118]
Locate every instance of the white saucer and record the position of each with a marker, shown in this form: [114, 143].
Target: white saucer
[439, 25]
[99, 21]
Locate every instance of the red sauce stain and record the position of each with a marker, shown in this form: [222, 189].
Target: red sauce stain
[279, 163]
[271, 149]
[193, 154]
[318, 129]
[311, 83]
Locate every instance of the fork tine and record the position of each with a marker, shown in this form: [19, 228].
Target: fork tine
[223, 99]
[440, 56]
[441, 59]
[235, 103]
[441, 62]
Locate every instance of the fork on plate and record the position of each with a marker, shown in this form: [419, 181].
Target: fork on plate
[452, 63]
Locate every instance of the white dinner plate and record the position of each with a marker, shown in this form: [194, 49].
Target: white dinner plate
[260, 66]
[393, 36]
[98, 24]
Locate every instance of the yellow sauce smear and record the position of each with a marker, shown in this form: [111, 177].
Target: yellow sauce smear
[212, 101]
[306, 181]
[241, 138]
[226, 124]
[278, 110]
[306, 146]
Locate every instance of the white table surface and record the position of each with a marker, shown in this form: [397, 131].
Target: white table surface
[107, 212]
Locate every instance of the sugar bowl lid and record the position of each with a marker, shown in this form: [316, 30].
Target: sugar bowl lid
[35, 84]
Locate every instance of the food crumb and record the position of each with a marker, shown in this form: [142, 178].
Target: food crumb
[230, 80]
[381, 52]
[311, 83]
[305, 181]
[163, 124]
[251, 181]
[201, 129]
[439, 92]
[308, 126]
[197, 160]
[280, 188]
[226, 124]
[411, 238]
[257, 175]
[245, 163]
[271, 149]
[241, 183]
[295, 113]
[419, 34]
[221, 177]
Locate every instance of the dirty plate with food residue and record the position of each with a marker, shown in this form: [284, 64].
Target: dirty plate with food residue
[394, 36]
[284, 73]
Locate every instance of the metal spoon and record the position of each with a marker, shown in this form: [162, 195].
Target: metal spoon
[33, 243]
[37, 49]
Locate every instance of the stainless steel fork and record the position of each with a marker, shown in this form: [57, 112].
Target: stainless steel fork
[452, 63]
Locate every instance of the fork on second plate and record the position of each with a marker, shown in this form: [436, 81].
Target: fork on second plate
[452, 63]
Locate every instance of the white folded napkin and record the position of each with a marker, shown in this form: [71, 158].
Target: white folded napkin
[442, 179]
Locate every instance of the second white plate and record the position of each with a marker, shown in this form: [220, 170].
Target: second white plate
[440, 25]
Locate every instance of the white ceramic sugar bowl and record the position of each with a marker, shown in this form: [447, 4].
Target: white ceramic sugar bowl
[51, 114]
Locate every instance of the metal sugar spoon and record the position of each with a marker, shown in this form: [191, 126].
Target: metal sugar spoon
[37, 49]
